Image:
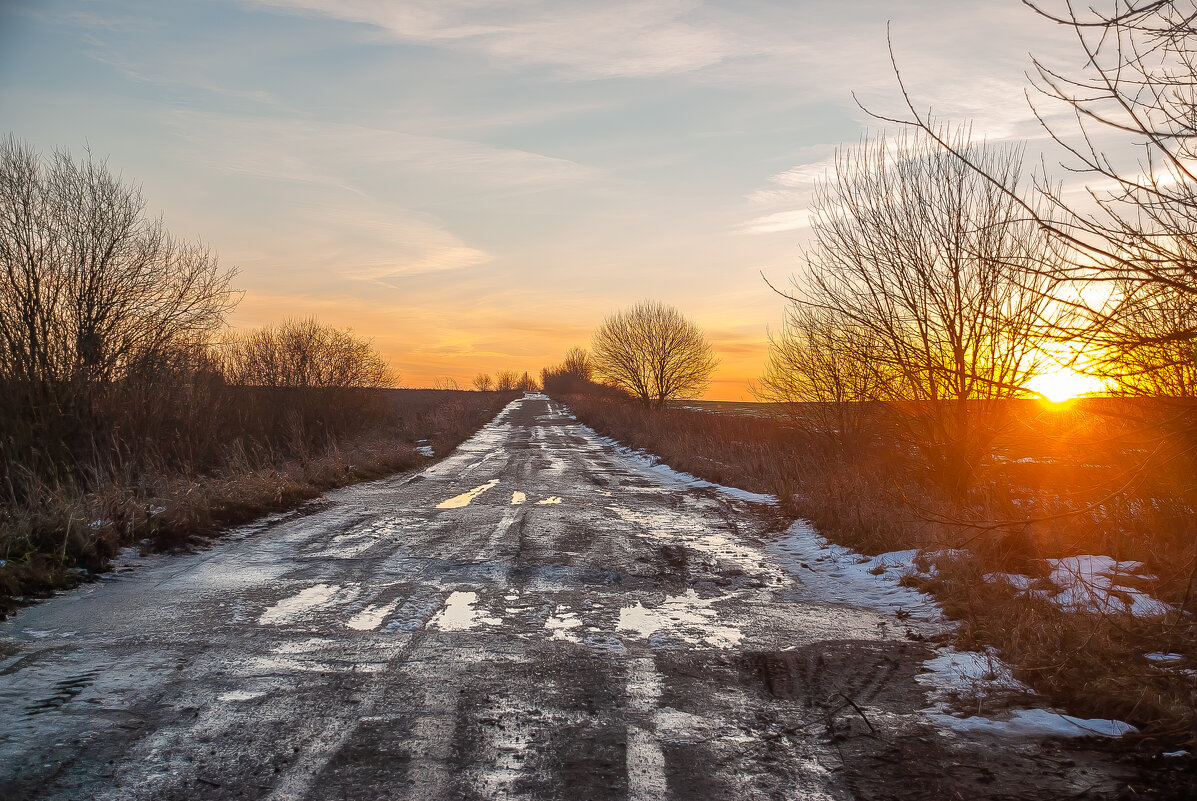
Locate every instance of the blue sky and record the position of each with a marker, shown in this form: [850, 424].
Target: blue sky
[475, 185]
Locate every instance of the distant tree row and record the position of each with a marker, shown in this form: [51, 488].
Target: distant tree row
[506, 381]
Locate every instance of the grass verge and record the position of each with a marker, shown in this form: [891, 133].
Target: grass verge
[67, 532]
[875, 500]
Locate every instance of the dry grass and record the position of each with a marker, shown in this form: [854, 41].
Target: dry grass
[877, 498]
[69, 529]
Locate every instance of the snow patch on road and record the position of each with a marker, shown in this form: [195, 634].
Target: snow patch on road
[682, 528]
[372, 617]
[306, 602]
[347, 546]
[561, 622]
[651, 464]
[459, 613]
[686, 617]
[840, 575]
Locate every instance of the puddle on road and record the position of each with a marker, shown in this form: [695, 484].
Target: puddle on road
[549, 501]
[371, 617]
[560, 623]
[458, 501]
[459, 613]
[686, 617]
[517, 498]
[241, 695]
[307, 601]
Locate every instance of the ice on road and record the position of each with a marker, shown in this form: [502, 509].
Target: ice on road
[537, 616]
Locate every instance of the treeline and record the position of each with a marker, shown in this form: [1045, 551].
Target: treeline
[128, 411]
[506, 381]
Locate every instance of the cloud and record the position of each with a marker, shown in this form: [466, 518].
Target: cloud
[617, 39]
[779, 221]
[294, 149]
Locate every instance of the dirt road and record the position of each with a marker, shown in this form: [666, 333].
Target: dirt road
[534, 617]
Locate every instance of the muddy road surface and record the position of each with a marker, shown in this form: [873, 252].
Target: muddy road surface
[534, 617]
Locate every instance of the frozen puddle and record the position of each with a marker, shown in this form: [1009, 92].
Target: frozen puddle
[371, 617]
[459, 613]
[549, 501]
[561, 622]
[458, 501]
[686, 617]
[307, 601]
[518, 498]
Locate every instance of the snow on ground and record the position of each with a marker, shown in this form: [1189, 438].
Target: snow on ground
[1092, 584]
[1036, 723]
[650, 463]
[839, 574]
[983, 674]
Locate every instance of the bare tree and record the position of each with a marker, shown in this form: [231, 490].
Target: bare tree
[920, 265]
[506, 380]
[526, 383]
[1148, 348]
[574, 375]
[1135, 235]
[90, 289]
[303, 352]
[446, 383]
[92, 293]
[483, 382]
[653, 352]
[578, 364]
[823, 374]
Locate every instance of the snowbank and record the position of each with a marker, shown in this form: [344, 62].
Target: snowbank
[841, 575]
[1091, 584]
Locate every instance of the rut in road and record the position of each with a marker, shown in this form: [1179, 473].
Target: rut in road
[534, 617]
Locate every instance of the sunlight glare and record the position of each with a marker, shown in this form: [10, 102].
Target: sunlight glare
[1063, 384]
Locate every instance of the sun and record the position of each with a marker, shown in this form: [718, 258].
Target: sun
[1062, 384]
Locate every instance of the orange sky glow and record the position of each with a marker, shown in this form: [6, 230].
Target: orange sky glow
[475, 186]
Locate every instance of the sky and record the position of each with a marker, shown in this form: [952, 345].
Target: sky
[475, 185]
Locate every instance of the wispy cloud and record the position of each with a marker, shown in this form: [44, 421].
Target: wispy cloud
[779, 221]
[293, 149]
[616, 39]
